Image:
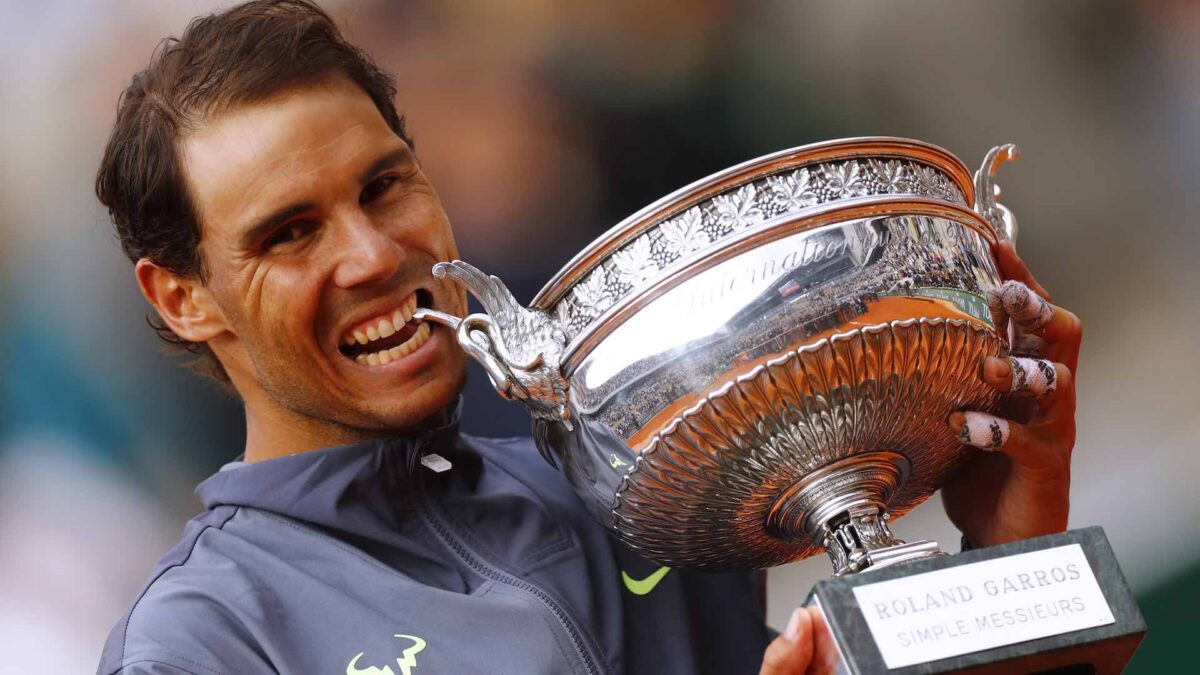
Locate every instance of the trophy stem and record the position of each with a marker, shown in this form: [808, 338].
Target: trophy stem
[843, 507]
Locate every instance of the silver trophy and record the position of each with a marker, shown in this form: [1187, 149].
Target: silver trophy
[759, 366]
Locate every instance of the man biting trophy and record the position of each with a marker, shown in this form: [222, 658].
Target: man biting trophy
[768, 363]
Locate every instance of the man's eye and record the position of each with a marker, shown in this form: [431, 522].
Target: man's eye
[287, 234]
[375, 188]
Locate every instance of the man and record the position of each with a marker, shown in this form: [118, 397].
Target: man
[263, 183]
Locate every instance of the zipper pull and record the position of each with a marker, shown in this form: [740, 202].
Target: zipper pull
[435, 463]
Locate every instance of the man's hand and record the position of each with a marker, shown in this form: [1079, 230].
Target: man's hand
[806, 647]
[1019, 487]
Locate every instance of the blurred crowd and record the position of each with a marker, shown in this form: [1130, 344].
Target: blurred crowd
[542, 123]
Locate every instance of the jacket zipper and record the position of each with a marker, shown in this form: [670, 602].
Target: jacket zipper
[485, 569]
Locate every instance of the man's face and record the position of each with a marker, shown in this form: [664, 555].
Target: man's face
[318, 226]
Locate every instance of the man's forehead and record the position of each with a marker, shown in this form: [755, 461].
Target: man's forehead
[294, 141]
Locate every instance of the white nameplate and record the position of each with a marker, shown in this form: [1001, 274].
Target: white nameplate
[970, 608]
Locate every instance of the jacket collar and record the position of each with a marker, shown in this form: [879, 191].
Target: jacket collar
[354, 488]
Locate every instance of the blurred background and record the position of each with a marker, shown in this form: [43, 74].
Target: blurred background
[543, 123]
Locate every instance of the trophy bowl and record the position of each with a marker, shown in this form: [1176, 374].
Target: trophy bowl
[760, 365]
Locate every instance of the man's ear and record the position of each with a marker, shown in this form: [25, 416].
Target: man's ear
[183, 302]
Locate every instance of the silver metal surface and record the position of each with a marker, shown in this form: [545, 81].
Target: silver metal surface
[760, 365]
[988, 192]
[520, 349]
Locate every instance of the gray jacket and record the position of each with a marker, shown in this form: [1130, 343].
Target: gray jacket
[358, 559]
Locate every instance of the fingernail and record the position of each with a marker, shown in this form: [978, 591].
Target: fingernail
[793, 626]
[983, 431]
[999, 367]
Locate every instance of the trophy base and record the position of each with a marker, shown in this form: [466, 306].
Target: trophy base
[1053, 604]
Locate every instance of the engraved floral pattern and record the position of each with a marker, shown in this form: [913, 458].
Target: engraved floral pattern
[890, 176]
[685, 234]
[928, 181]
[952, 193]
[947, 190]
[635, 262]
[593, 295]
[793, 191]
[738, 210]
[572, 317]
[845, 180]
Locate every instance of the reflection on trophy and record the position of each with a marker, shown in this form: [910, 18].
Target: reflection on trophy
[760, 365]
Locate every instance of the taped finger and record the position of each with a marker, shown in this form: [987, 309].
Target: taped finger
[1036, 376]
[981, 430]
[1028, 446]
[1028, 310]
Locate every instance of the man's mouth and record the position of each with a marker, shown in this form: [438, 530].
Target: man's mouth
[389, 336]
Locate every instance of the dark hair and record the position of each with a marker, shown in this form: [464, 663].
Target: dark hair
[240, 56]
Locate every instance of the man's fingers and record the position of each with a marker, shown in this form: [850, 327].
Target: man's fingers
[791, 653]
[1063, 333]
[1011, 266]
[1028, 310]
[826, 656]
[1021, 375]
[1025, 344]
[981, 430]
[1059, 329]
[996, 434]
[1052, 384]
[784, 657]
[1032, 313]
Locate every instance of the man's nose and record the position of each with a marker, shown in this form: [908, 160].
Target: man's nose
[366, 253]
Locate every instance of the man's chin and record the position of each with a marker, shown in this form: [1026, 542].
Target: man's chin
[420, 405]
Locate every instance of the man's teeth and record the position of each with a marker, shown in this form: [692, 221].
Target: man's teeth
[420, 337]
[385, 327]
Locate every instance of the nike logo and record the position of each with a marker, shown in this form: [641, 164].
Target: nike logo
[644, 586]
[407, 660]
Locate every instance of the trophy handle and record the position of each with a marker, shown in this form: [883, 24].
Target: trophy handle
[987, 192]
[519, 348]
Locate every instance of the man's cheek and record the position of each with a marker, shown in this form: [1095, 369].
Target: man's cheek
[285, 311]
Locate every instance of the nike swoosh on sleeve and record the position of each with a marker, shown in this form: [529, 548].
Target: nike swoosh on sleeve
[644, 586]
